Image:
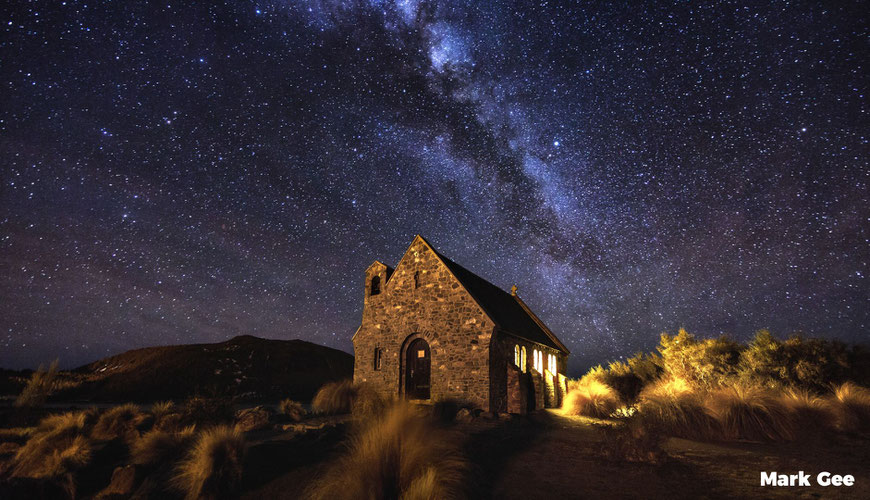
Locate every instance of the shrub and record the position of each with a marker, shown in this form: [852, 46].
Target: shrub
[292, 410]
[705, 363]
[671, 407]
[213, 467]
[593, 399]
[397, 455]
[158, 446]
[632, 442]
[850, 406]
[39, 387]
[749, 412]
[121, 421]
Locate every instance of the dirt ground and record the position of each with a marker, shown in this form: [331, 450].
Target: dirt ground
[553, 456]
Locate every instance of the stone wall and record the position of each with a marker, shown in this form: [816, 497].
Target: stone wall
[435, 307]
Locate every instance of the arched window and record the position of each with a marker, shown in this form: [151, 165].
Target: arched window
[523, 359]
[376, 285]
[538, 360]
[377, 360]
[551, 364]
[517, 356]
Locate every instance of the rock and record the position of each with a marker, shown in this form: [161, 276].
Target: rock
[464, 415]
[488, 415]
[505, 416]
[123, 483]
[252, 419]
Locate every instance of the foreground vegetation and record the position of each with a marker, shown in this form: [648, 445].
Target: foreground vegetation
[720, 390]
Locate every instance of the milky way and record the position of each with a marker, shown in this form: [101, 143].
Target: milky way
[188, 173]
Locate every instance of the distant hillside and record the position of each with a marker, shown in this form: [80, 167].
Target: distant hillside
[245, 366]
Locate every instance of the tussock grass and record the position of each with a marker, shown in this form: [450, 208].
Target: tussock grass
[399, 454]
[121, 421]
[199, 410]
[162, 408]
[213, 467]
[292, 410]
[850, 406]
[40, 385]
[591, 398]
[157, 446]
[16, 434]
[747, 412]
[346, 397]
[670, 407]
[58, 446]
[335, 398]
[810, 413]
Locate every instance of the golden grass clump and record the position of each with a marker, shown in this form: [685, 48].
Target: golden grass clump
[592, 399]
[399, 454]
[748, 412]
[669, 406]
[158, 446]
[335, 398]
[810, 413]
[292, 410]
[213, 467]
[850, 406]
[121, 421]
[57, 446]
[162, 408]
[39, 387]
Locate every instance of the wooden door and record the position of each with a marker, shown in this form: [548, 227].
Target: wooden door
[417, 370]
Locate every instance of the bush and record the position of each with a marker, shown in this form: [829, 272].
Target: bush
[122, 422]
[397, 455]
[747, 412]
[39, 387]
[850, 407]
[705, 363]
[633, 442]
[671, 407]
[161, 409]
[157, 446]
[292, 410]
[592, 399]
[213, 467]
[810, 413]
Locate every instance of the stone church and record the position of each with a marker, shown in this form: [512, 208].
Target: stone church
[432, 330]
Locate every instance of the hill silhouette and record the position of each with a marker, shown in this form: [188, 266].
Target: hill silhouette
[247, 367]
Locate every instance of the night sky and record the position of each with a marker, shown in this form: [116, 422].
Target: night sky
[194, 172]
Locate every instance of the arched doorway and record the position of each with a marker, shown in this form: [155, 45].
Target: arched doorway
[417, 369]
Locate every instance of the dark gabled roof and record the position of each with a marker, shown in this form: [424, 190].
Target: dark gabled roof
[508, 311]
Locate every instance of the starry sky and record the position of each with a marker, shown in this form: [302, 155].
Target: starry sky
[189, 172]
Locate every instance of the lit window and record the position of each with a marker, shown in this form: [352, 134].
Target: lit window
[523, 359]
[517, 356]
[538, 361]
[551, 364]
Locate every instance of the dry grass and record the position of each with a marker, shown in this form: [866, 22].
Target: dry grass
[16, 434]
[399, 454]
[592, 399]
[157, 446]
[335, 398]
[162, 408]
[850, 407]
[292, 410]
[213, 467]
[121, 421]
[810, 414]
[670, 407]
[39, 387]
[747, 412]
[58, 446]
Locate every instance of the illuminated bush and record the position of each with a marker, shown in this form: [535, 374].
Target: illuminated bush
[747, 412]
[672, 407]
[850, 407]
[591, 399]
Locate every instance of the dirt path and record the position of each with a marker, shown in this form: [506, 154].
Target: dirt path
[561, 461]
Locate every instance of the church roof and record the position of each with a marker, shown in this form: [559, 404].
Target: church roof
[508, 311]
